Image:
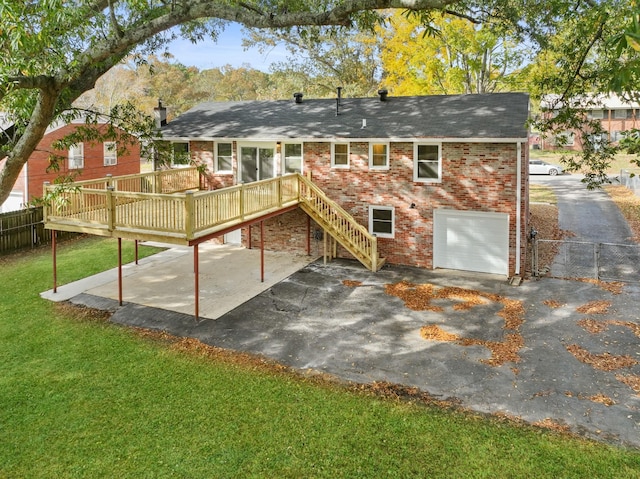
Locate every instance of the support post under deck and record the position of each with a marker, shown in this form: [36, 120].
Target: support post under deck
[196, 272]
[55, 263]
[120, 271]
[262, 251]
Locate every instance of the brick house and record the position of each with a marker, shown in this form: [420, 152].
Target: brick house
[442, 181]
[615, 115]
[86, 161]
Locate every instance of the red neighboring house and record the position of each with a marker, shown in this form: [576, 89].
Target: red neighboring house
[86, 161]
[442, 181]
[614, 114]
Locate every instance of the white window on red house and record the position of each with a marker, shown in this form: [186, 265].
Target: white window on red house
[292, 158]
[340, 155]
[76, 156]
[597, 114]
[427, 164]
[379, 156]
[110, 153]
[381, 221]
[181, 156]
[224, 157]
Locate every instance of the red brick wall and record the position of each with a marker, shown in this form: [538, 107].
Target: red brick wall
[202, 152]
[38, 163]
[477, 176]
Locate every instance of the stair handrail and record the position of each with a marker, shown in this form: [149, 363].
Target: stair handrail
[372, 248]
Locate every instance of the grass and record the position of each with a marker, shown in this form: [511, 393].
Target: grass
[542, 194]
[83, 398]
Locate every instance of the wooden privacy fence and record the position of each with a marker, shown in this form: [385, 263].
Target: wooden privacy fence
[24, 229]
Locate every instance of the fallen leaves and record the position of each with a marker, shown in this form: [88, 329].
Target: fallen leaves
[604, 362]
[419, 297]
[552, 303]
[351, 284]
[631, 380]
[592, 326]
[594, 307]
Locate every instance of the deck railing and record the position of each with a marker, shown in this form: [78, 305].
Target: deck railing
[114, 204]
[164, 206]
[161, 182]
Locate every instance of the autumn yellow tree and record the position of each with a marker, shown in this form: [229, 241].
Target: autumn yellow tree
[449, 55]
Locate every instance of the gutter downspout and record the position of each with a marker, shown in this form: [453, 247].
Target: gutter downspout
[519, 205]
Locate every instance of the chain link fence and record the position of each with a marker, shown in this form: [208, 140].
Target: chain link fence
[579, 259]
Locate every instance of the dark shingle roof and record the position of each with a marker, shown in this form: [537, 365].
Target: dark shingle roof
[499, 115]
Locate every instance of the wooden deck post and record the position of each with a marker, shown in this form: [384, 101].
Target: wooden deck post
[196, 272]
[55, 264]
[262, 251]
[120, 271]
[111, 210]
[308, 235]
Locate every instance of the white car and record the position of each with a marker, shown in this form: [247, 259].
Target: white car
[539, 167]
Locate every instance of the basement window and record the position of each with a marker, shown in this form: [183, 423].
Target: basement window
[381, 221]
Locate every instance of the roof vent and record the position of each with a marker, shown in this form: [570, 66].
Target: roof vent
[298, 97]
[383, 94]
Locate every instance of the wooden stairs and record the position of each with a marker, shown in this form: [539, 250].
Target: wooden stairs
[339, 224]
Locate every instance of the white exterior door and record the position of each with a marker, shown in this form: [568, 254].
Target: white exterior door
[257, 161]
[471, 241]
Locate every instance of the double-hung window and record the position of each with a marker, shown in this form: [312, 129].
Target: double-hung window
[620, 114]
[379, 156]
[76, 156]
[224, 157]
[292, 156]
[340, 155]
[110, 153]
[427, 164]
[181, 156]
[381, 221]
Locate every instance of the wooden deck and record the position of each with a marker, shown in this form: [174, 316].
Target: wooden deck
[168, 206]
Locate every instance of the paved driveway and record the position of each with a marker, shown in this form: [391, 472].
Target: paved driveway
[590, 214]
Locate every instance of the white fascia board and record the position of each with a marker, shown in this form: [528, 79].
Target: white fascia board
[349, 139]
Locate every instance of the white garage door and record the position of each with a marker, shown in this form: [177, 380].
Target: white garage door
[471, 241]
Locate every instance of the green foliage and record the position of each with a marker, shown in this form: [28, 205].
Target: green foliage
[83, 398]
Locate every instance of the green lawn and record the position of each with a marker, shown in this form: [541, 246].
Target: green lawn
[82, 398]
[621, 161]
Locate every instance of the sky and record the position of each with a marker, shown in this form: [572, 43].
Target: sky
[227, 50]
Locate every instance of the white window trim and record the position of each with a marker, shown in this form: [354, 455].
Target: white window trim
[372, 208]
[284, 158]
[378, 168]
[415, 163]
[333, 155]
[110, 153]
[215, 153]
[180, 165]
[597, 114]
[76, 156]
